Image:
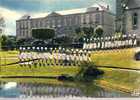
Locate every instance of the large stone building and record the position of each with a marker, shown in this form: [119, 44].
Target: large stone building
[132, 22]
[128, 16]
[65, 24]
[120, 16]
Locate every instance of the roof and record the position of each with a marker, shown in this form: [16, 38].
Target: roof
[25, 17]
[53, 14]
[96, 7]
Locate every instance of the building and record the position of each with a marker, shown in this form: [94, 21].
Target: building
[132, 20]
[120, 16]
[66, 23]
[128, 16]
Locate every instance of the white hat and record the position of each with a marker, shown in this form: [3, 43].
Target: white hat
[33, 48]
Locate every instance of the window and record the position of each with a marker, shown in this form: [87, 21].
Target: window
[65, 21]
[53, 23]
[59, 23]
[87, 18]
[97, 18]
[40, 23]
[135, 21]
[82, 19]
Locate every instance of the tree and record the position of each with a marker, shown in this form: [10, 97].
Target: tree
[21, 42]
[3, 40]
[119, 35]
[43, 34]
[87, 32]
[99, 31]
[79, 33]
[8, 42]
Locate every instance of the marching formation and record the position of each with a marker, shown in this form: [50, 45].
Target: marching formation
[53, 57]
[123, 41]
[44, 56]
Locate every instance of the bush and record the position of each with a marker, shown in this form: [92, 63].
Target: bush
[89, 72]
[43, 34]
[63, 40]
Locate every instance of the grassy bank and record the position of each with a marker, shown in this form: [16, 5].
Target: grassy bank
[7, 57]
[49, 71]
[113, 78]
[123, 58]
[123, 80]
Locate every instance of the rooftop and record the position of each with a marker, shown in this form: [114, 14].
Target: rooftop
[96, 7]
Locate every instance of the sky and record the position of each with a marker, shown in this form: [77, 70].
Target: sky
[12, 10]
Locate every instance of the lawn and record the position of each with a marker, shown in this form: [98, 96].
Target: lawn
[125, 80]
[119, 58]
[7, 57]
[118, 79]
[123, 58]
[49, 71]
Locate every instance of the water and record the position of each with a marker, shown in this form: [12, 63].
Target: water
[24, 88]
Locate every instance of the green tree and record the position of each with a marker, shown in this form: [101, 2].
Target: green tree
[43, 34]
[87, 32]
[99, 31]
[8, 42]
[3, 40]
[79, 33]
[21, 42]
[119, 35]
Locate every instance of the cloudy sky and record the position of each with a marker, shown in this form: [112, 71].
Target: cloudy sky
[12, 10]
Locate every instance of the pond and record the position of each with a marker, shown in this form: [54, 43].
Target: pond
[24, 88]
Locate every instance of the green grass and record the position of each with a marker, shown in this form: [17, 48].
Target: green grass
[50, 71]
[117, 58]
[16, 70]
[120, 58]
[123, 58]
[7, 57]
[126, 79]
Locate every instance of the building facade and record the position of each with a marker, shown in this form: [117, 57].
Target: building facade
[128, 16]
[65, 24]
[120, 16]
[132, 20]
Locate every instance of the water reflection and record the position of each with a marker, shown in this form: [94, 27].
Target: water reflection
[55, 91]
[43, 89]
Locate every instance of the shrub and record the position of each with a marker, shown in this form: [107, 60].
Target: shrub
[89, 72]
